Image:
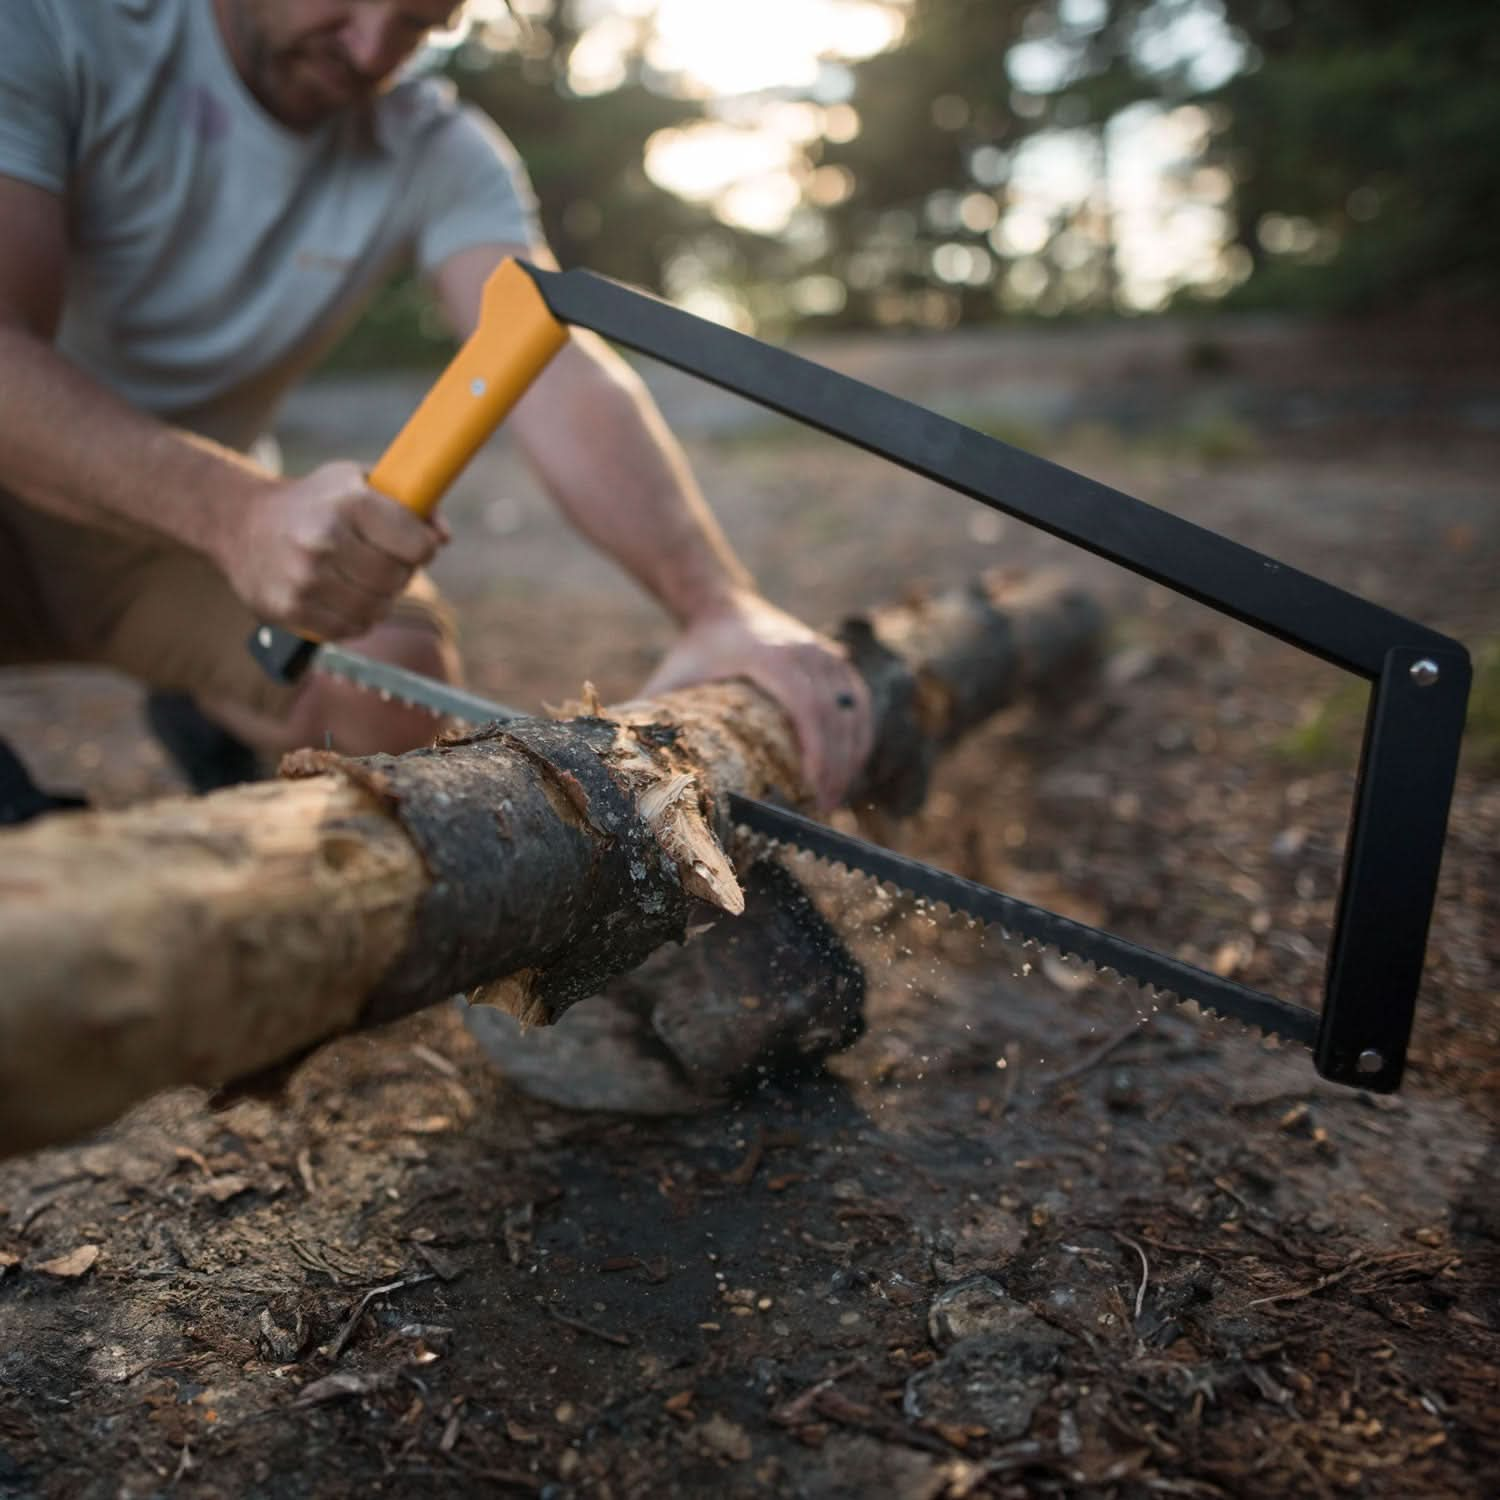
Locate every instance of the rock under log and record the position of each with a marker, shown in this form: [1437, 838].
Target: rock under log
[193, 941]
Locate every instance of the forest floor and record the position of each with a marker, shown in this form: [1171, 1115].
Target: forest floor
[1011, 1243]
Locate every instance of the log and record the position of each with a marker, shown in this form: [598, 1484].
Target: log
[761, 998]
[198, 940]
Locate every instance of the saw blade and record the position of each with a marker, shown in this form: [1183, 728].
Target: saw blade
[390, 682]
[1163, 976]
[1021, 922]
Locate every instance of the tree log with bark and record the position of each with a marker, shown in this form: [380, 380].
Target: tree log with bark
[195, 941]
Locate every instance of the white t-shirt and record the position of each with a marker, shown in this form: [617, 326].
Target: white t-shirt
[216, 254]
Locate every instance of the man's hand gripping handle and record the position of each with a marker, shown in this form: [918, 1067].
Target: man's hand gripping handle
[516, 337]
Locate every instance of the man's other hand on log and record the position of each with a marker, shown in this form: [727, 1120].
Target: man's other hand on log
[806, 673]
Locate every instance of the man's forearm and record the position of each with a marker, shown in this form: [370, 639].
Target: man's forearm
[601, 448]
[69, 446]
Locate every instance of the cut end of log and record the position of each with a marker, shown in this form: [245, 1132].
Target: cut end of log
[672, 803]
[673, 810]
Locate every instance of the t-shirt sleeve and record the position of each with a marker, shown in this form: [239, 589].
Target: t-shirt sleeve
[476, 192]
[36, 113]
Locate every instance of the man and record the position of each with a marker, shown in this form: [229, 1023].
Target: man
[196, 199]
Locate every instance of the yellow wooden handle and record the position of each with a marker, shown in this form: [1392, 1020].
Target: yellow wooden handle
[516, 336]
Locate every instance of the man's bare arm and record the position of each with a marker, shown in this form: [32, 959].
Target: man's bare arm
[323, 554]
[600, 446]
[66, 443]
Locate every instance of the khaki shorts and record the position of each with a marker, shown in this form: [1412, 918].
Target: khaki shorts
[148, 608]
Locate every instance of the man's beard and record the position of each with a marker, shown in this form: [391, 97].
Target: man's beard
[278, 77]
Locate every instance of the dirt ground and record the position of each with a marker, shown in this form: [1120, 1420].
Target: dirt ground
[1013, 1242]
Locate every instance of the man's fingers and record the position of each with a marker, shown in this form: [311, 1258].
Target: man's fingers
[843, 709]
[828, 705]
[367, 568]
[319, 624]
[389, 528]
[333, 609]
[327, 555]
[810, 676]
[813, 736]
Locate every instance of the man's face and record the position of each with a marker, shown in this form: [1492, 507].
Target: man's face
[307, 60]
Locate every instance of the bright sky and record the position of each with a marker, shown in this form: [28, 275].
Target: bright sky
[748, 162]
[728, 47]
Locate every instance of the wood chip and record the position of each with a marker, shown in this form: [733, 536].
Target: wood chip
[347, 1332]
[38, 1201]
[446, 1267]
[1071, 976]
[435, 1060]
[799, 1408]
[592, 1329]
[343, 1383]
[222, 1189]
[740, 1176]
[839, 1408]
[74, 1263]
[724, 1438]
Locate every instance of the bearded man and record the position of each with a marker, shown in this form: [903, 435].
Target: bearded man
[197, 199]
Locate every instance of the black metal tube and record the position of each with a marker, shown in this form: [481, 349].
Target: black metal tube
[1295, 607]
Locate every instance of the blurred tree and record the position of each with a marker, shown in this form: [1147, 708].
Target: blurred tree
[1362, 142]
[585, 152]
[934, 126]
[1343, 158]
[920, 237]
[1357, 134]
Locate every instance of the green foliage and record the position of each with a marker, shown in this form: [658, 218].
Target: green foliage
[1208, 437]
[1482, 732]
[400, 329]
[584, 155]
[1376, 124]
[1327, 734]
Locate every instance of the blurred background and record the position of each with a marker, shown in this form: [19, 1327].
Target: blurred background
[924, 164]
[1236, 257]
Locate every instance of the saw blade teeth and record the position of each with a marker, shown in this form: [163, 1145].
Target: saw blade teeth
[384, 694]
[1150, 996]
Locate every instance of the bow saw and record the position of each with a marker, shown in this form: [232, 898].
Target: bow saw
[1419, 679]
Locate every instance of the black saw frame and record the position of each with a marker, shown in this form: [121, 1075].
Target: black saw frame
[1419, 679]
